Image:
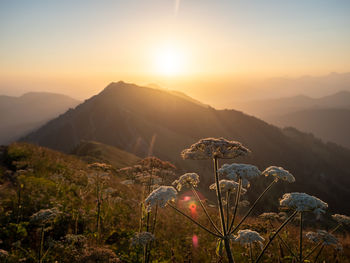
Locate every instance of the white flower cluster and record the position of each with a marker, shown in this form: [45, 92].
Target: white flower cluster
[142, 238]
[160, 196]
[322, 236]
[279, 173]
[247, 236]
[303, 202]
[44, 216]
[186, 180]
[244, 171]
[269, 216]
[342, 219]
[3, 253]
[227, 185]
[210, 148]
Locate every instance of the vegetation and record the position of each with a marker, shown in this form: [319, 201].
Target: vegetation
[56, 207]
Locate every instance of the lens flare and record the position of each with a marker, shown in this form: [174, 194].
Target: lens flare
[195, 241]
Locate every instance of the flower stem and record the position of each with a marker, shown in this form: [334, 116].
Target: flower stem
[205, 211]
[301, 238]
[252, 207]
[319, 253]
[194, 221]
[275, 234]
[227, 208]
[238, 195]
[251, 252]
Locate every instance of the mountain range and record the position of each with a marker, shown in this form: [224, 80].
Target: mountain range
[21, 115]
[327, 117]
[145, 121]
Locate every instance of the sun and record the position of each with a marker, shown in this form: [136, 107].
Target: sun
[170, 60]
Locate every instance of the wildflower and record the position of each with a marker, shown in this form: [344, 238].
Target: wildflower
[210, 148]
[160, 196]
[142, 238]
[247, 236]
[186, 180]
[154, 162]
[279, 173]
[303, 202]
[269, 216]
[44, 216]
[235, 171]
[322, 236]
[243, 203]
[100, 166]
[227, 185]
[75, 239]
[3, 253]
[342, 219]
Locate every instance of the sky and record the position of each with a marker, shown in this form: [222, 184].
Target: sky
[77, 47]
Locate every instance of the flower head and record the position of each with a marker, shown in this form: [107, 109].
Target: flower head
[210, 148]
[142, 238]
[269, 216]
[160, 196]
[322, 236]
[247, 236]
[100, 167]
[44, 216]
[227, 185]
[244, 171]
[342, 219]
[186, 180]
[3, 253]
[303, 202]
[279, 173]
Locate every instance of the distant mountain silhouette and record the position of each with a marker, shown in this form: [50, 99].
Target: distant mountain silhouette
[146, 121]
[21, 115]
[327, 117]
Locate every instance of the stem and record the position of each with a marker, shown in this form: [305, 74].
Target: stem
[227, 208]
[284, 242]
[275, 234]
[152, 231]
[238, 195]
[251, 252]
[320, 243]
[252, 207]
[41, 244]
[223, 227]
[301, 239]
[319, 253]
[194, 221]
[205, 211]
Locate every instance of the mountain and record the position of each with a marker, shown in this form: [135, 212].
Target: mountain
[327, 117]
[146, 121]
[21, 115]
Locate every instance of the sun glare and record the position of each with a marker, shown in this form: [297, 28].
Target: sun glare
[170, 61]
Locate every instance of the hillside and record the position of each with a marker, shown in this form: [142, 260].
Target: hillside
[91, 151]
[145, 121]
[328, 124]
[21, 115]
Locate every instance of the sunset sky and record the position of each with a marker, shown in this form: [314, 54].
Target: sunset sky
[77, 47]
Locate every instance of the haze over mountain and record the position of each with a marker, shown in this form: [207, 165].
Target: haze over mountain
[146, 121]
[327, 117]
[21, 115]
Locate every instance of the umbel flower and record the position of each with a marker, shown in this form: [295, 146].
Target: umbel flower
[244, 171]
[100, 167]
[142, 238]
[322, 236]
[269, 216]
[186, 180]
[3, 254]
[247, 236]
[279, 173]
[44, 216]
[160, 196]
[303, 202]
[342, 219]
[227, 185]
[210, 148]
